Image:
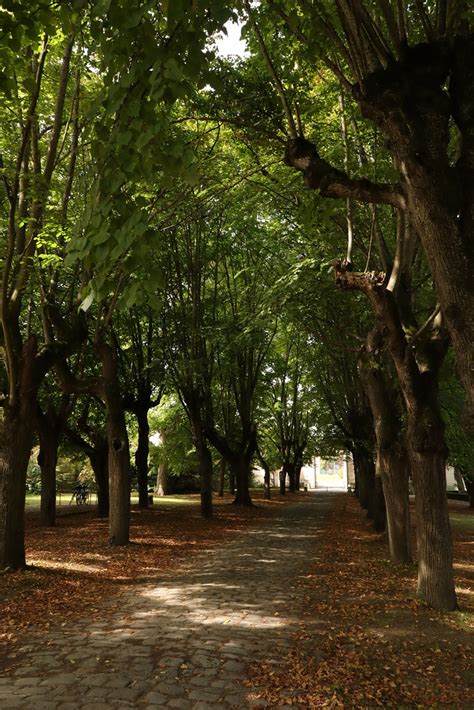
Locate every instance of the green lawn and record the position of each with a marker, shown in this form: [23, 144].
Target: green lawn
[33, 501]
[462, 522]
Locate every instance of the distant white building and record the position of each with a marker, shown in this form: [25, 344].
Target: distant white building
[324, 474]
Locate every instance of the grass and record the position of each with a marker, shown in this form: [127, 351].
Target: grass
[63, 499]
[463, 522]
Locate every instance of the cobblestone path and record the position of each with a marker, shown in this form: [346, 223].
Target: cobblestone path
[183, 641]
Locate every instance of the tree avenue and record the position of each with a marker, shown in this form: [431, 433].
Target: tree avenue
[163, 266]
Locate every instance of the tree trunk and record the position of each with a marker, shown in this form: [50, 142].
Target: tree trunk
[99, 461]
[49, 436]
[119, 452]
[298, 468]
[241, 470]
[266, 483]
[16, 440]
[365, 467]
[428, 464]
[291, 478]
[379, 509]
[392, 460]
[459, 480]
[222, 472]
[162, 479]
[282, 477]
[141, 456]
[205, 466]
[231, 481]
[394, 470]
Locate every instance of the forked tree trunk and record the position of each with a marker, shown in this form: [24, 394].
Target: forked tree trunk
[427, 452]
[49, 436]
[119, 452]
[141, 456]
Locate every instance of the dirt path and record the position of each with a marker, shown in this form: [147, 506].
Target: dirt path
[183, 641]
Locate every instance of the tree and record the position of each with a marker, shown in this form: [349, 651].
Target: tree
[410, 71]
[28, 193]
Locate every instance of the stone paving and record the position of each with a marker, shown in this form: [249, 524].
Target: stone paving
[184, 640]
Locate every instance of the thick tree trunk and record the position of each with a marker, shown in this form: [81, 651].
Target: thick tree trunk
[99, 458]
[365, 467]
[141, 456]
[49, 437]
[16, 440]
[379, 509]
[439, 196]
[241, 470]
[119, 451]
[395, 474]
[428, 464]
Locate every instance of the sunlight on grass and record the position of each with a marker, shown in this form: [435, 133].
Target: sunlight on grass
[462, 522]
[64, 499]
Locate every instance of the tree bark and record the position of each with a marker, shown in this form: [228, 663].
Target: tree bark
[392, 459]
[426, 445]
[49, 432]
[16, 440]
[365, 467]
[162, 479]
[119, 452]
[141, 456]
[222, 472]
[241, 470]
[99, 458]
[291, 478]
[379, 509]
[395, 476]
[282, 478]
[231, 482]
[205, 467]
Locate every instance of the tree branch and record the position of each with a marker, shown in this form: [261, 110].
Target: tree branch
[331, 182]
